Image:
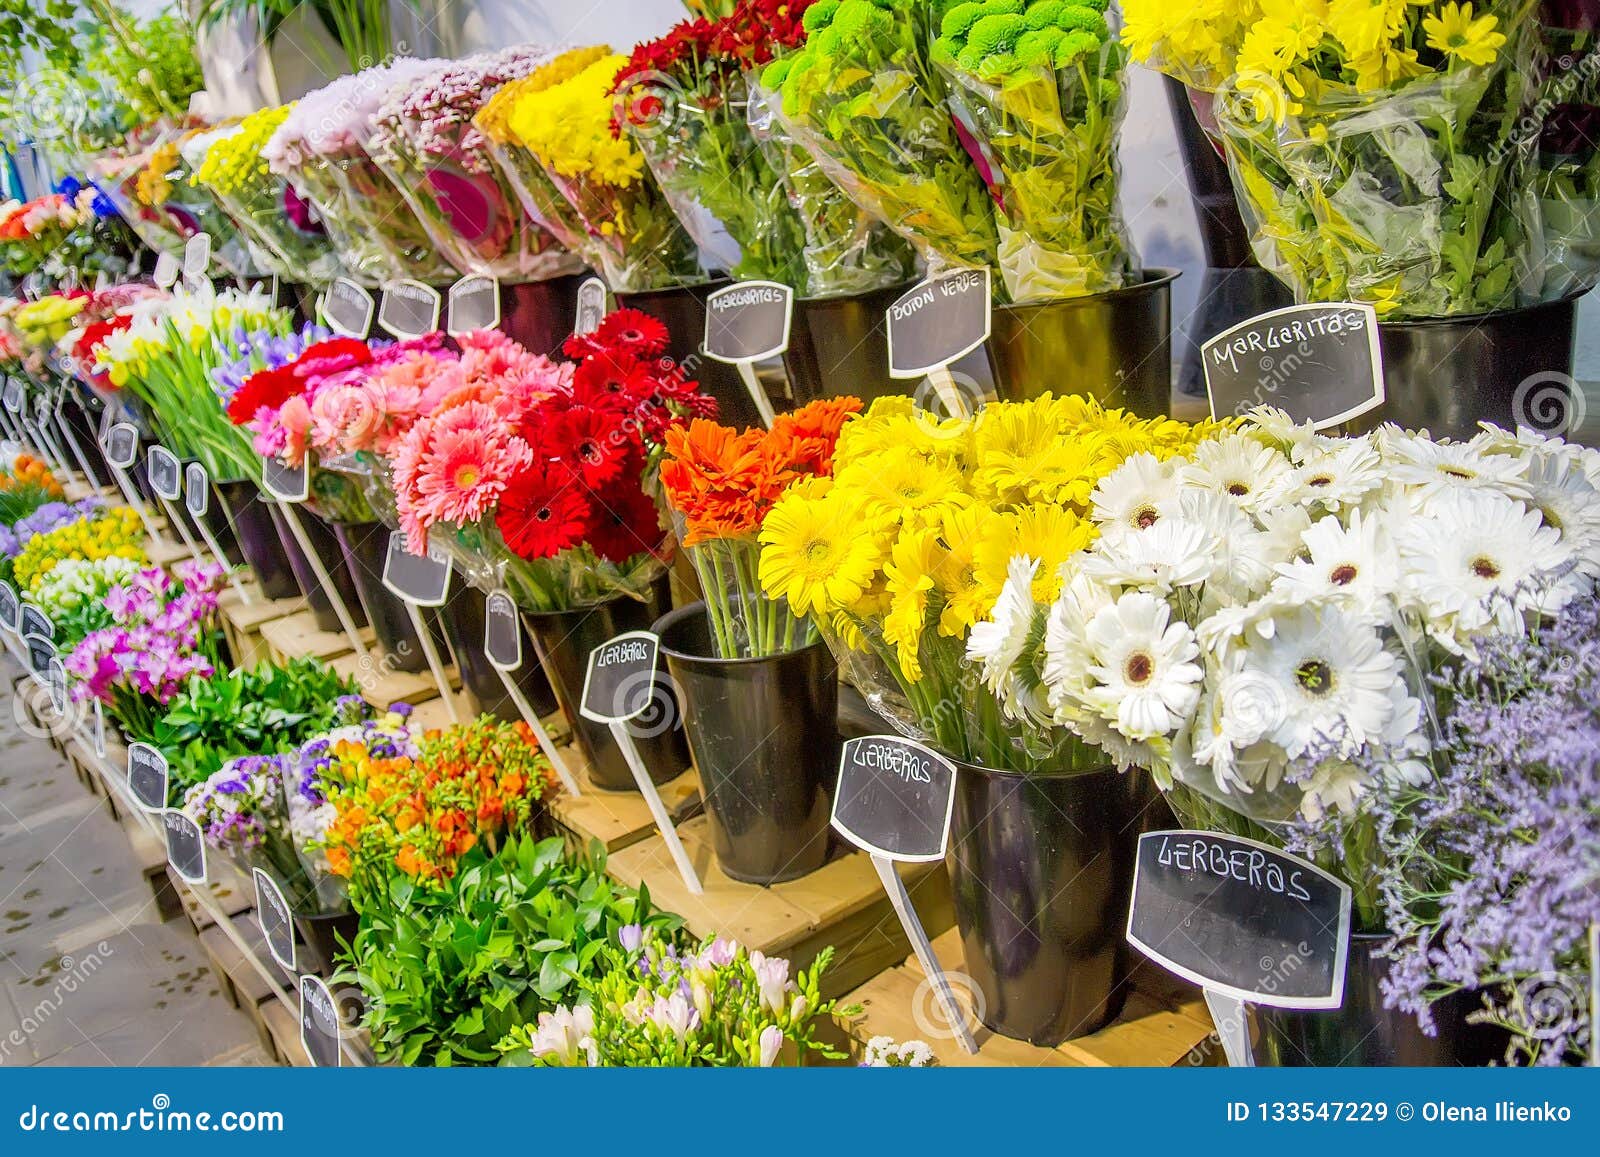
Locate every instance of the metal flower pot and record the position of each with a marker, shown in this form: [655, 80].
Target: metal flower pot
[839, 346]
[366, 546]
[540, 314]
[682, 309]
[765, 738]
[255, 532]
[463, 616]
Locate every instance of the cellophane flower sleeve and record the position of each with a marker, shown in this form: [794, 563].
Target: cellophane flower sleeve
[845, 249]
[429, 145]
[1568, 176]
[862, 97]
[230, 247]
[1038, 100]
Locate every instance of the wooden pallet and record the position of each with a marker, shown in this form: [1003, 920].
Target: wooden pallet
[617, 819]
[841, 905]
[242, 623]
[297, 635]
[1164, 1022]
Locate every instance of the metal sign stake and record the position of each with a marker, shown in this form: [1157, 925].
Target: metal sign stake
[658, 810]
[435, 664]
[896, 888]
[525, 709]
[329, 587]
[77, 452]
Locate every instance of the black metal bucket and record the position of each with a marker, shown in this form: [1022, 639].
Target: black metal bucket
[1363, 1032]
[1447, 374]
[255, 532]
[331, 555]
[765, 738]
[366, 546]
[540, 314]
[320, 938]
[564, 640]
[682, 309]
[464, 616]
[839, 346]
[1114, 346]
[1041, 867]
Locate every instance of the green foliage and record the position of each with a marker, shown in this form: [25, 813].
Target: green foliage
[448, 975]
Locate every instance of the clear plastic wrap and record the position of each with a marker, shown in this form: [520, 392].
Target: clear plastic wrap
[1568, 176]
[382, 215]
[1044, 138]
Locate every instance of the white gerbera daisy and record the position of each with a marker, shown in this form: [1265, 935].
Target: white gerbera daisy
[997, 645]
[1066, 662]
[1136, 494]
[1561, 492]
[1479, 559]
[1236, 465]
[1427, 468]
[1275, 426]
[1333, 675]
[1330, 473]
[1174, 552]
[1354, 566]
[1143, 673]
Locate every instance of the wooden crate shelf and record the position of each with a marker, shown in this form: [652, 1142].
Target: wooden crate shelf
[242, 623]
[618, 819]
[297, 636]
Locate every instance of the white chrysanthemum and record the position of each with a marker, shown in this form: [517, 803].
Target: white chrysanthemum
[997, 644]
[1275, 426]
[1330, 473]
[1557, 487]
[1174, 552]
[1136, 494]
[1354, 566]
[1236, 465]
[1143, 673]
[1324, 675]
[1478, 559]
[1426, 468]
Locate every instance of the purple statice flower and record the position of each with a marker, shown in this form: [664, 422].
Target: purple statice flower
[9, 546]
[1493, 871]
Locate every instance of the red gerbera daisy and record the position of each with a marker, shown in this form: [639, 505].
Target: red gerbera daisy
[594, 443]
[624, 522]
[543, 511]
[625, 331]
[611, 381]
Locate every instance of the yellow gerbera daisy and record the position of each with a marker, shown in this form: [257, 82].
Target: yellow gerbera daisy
[816, 555]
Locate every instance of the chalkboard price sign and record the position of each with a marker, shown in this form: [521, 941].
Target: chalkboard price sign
[147, 776]
[167, 270]
[621, 681]
[186, 846]
[938, 321]
[1241, 918]
[748, 321]
[591, 306]
[474, 304]
[10, 608]
[285, 482]
[122, 445]
[197, 256]
[1320, 363]
[57, 680]
[33, 621]
[319, 1023]
[196, 489]
[420, 579]
[347, 308]
[410, 309]
[277, 925]
[41, 653]
[13, 395]
[166, 473]
[894, 798]
[502, 632]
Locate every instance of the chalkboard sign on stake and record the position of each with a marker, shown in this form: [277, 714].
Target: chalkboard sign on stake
[277, 923]
[10, 608]
[894, 800]
[410, 309]
[147, 776]
[57, 680]
[33, 621]
[196, 489]
[1321, 363]
[502, 632]
[285, 482]
[13, 395]
[167, 270]
[591, 306]
[474, 303]
[319, 1024]
[748, 321]
[1247, 922]
[197, 257]
[938, 321]
[620, 685]
[122, 445]
[166, 473]
[348, 308]
[186, 846]
[422, 580]
[41, 653]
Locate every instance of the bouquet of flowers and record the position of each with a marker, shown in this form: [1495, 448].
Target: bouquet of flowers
[162, 633]
[1038, 97]
[861, 95]
[425, 139]
[95, 533]
[1376, 153]
[721, 484]
[137, 180]
[31, 231]
[683, 99]
[102, 313]
[282, 224]
[74, 595]
[552, 133]
[1568, 177]
[65, 236]
[902, 555]
[25, 487]
[38, 508]
[719, 1006]
[1255, 618]
[553, 487]
[319, 150]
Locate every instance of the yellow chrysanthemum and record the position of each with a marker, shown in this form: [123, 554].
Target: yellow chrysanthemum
[1459, 37]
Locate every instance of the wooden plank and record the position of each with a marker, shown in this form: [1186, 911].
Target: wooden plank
[173, 551]
[297, 635]
[283, 1027]
[381, 687]
[618, 819]
[242, 623]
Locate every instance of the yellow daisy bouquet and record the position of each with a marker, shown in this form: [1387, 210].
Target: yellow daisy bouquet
[551, 135]
[905, 550]
[1378, 148]
[117, 533]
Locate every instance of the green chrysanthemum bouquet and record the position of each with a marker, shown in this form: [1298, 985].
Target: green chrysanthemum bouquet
[1036, 90]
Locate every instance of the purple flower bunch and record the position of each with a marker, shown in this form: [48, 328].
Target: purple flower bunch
[1493, 877]
[237, 806]
[262, 350]
[50, 516]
